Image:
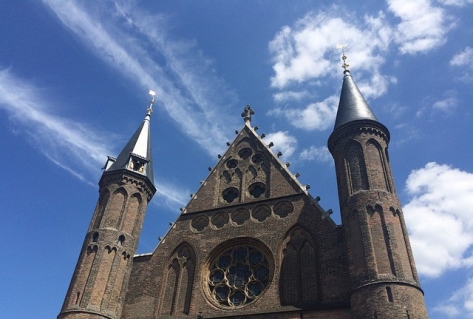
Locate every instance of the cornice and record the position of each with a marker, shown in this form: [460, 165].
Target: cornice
[125, 176]
[358, 127]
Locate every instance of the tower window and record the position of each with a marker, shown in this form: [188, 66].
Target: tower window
[121, 240]
[95, 237]
[230, 194]
[137, 166]
[389, 294]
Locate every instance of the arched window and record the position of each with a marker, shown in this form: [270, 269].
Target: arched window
[121, 240]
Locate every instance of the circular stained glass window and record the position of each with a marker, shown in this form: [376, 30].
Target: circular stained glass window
[238, 276]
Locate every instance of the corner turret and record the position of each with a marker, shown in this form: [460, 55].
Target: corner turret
[383, 277]
[103, 269]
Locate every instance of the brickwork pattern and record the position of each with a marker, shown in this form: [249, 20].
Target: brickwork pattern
[362, 269]
[99, 282]
[305, 249]
[383, 276]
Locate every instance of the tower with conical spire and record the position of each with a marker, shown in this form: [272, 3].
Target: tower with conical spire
[98, 286]
[383, 277]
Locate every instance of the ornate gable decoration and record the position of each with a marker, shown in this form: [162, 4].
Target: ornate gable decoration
[249, 171]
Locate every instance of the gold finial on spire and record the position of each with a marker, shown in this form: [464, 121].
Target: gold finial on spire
[150, 107]
[344, 57]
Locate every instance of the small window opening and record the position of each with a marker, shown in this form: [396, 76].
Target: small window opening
[232, 163]
[245, 153]
[389, 294]
[257, 158]
[137, 166]
[257, 189]
[121, 239]
[230, 194]
[95, 237]
[78, 294]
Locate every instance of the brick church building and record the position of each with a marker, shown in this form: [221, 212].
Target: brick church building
[252, 242]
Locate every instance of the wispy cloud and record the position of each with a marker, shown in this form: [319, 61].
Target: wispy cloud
[320, 154]
[122, 36]
[315, 116]
[290, 95]
[77, 148]
[459, 304]
[441, 195]
[60, 139]
[463, 58]
[447, 104]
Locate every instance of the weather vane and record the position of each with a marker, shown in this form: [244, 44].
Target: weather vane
[150, 107]
[344, 64]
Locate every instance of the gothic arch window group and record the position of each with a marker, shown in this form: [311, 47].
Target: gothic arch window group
[299, 274]
[245, 175]
[87, 260]
[118, 211]
[377, 169]
[381, 241]
[356, 167]
[101, 206]
[179, 279]
[391, 252]
[366, 166]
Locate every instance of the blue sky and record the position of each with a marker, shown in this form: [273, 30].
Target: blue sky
[74, 78]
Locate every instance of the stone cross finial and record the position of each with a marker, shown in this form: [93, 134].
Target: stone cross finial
[247, 113]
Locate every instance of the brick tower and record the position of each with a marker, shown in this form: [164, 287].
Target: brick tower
[383, 279]
[98, 286]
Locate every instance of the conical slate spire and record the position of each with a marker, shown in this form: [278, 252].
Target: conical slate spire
[352, 105]
[136, 155]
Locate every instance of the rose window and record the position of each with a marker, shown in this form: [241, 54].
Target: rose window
[238, 276]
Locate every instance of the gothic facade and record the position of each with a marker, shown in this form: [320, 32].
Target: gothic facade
[252, 242]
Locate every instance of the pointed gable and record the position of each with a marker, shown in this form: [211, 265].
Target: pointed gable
[248, 172]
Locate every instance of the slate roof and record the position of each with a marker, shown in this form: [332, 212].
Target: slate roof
[352, 105]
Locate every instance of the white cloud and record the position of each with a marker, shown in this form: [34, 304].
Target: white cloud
[283, 142]
[439, 218]
[320, 154]
[376, 86]
[308, 50]
[423, 26]
[65, 142]
[459, 304]
[290, 95]
[316, 116]
[446, 104]
[122, 37]
[71, 145]
[463, 58]
[457, 3]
